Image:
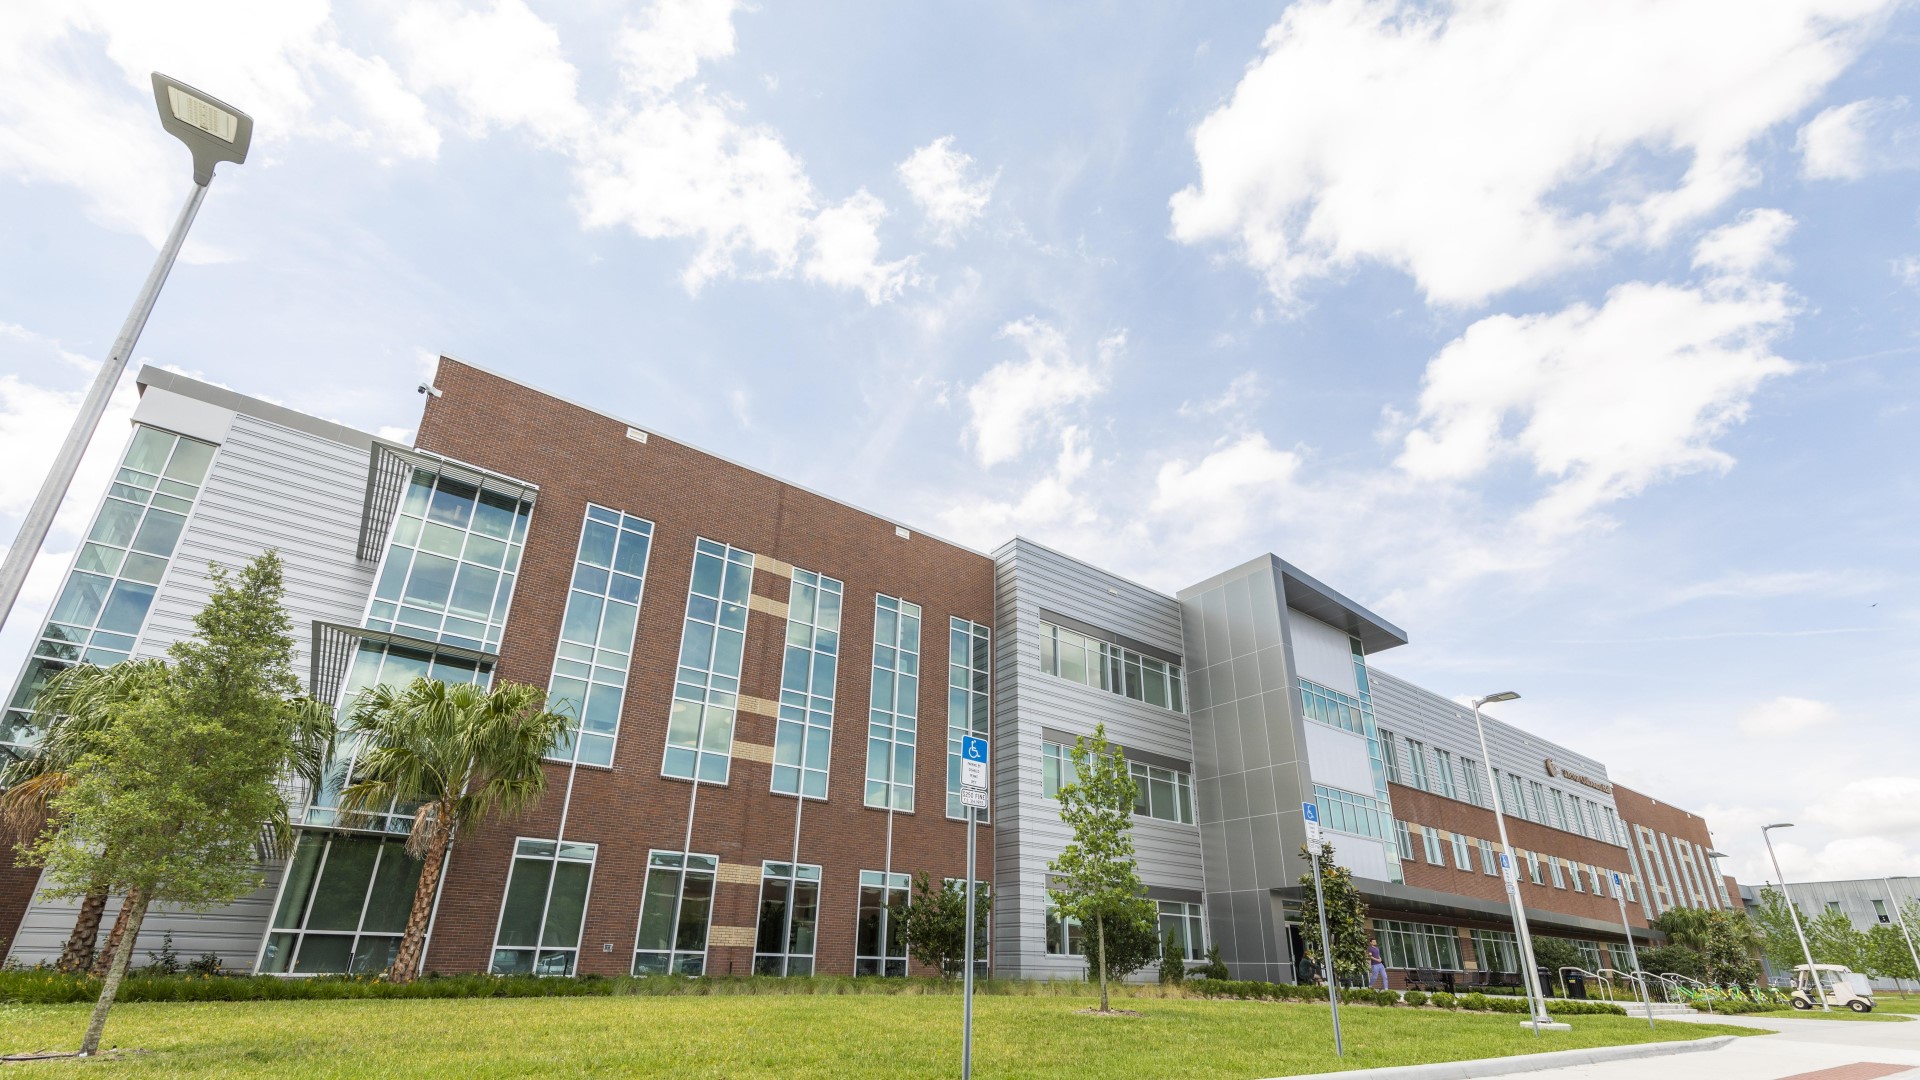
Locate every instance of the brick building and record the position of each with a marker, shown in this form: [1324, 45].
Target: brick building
[769, 688]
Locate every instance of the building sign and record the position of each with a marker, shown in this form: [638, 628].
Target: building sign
[1554, 768]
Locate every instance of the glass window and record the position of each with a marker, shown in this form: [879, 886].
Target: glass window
[596, 633]
[803, 735]
[1166, 794]
[1460, 852]
[1553, 865]
[450, 563]
[1417, 945]
[103, 605]
[1533, 867]
[1497, 950]
[1185, 926]
[675, 911]
[1404, 838]
[343, 905]
[1471, 769]
[984, 933]
[969, 663]
[880, 942]
[1390, 750]
[894, 709]
[546, 903]
[1880, 910]
[1489, 863]
[1444, 760]
[1103, 665]
[1065, 937]
[712, 642]
[1345, 811]
[789, 916]
[1417, 759]
[1436, 853]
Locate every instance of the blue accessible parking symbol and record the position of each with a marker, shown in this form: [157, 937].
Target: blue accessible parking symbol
[973, 748]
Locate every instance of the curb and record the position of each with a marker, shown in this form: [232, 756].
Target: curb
[1523, 1063]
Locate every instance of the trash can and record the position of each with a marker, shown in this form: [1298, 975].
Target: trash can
[1576, 986]
[1548, 984]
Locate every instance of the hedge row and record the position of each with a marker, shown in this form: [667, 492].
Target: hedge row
[1476, 1002]
[1734, 1008]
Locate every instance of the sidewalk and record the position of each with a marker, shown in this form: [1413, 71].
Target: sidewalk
[1799, 1047]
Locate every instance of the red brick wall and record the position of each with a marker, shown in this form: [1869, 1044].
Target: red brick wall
[1425, 808]
[576, 455]
[16, 890]
[1638, 809]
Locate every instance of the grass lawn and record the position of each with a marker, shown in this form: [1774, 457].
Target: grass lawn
[805, 1036]
[1896, 1003]
[1880, 1013]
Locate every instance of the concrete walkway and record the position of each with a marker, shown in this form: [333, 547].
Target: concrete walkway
[1847, 1047]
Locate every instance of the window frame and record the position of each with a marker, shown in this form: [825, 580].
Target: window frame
[893, 733]
[710, 688]
[795, 876]
[540, 950]
[684, 870]
[805, 716]
[590, 670]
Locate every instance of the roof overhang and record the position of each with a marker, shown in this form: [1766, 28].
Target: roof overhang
[335, 643]
[389, 468]
[1307, 594]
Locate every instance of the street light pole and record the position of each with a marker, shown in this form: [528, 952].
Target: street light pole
[1812, 975]
[215, 132]
[1536, 997]
[1633, 951]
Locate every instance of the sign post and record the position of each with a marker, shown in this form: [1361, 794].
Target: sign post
[1633, 953]
[1310, 815]
[973, 796]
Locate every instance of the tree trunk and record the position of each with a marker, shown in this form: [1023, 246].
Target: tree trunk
[104, 958]
[77, 957]
[1100, 932]
[406, 962]
[132, 914]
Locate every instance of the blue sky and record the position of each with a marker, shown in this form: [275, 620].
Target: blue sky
[1579, 340]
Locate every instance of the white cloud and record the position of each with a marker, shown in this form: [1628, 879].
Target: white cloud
[846, 250]
[1482, 144]
[1229, 488]
[674, 37]
[1834, 145]
[1749, 246]
[1787, 716]
[1245, 391]
[1874, 804]
[1014, 397]
[936, 176]
[1604, 402]
[502, 64]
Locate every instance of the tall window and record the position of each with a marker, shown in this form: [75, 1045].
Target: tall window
[1497, 950]
[1166, 794]
[1436, 851]
[100, 611]
[1573, 871]
[1348, 812]
[1611, 823]
[1076, 657]
[1417, 945]
[894, 710]
[1417, 762]
[1460, 853]
[1057, 768]
[1533, 867]
[1444, 762]
[343, 906]
[700, 726]
[1517, 798]
[789, 912]
[1553, 865]
[1880, 910]
[545, 903]
[1333, 708]
[596, 633]
[1065, 936]
[675, 882]
[1403, 837]
[1538, 792]
[804, 733]
[1471, 769]
[1561, 819]
[1184, 926]
[880, 941]
[1489, 862]
[969, 658]
[1390, 750]
[448, 571]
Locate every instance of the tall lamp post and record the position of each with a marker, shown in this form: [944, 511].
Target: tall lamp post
[214, 131]
[1813, 977]
[1536, 998]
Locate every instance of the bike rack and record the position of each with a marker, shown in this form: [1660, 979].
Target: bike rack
[1594, 975]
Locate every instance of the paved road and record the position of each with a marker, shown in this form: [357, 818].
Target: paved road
[1800, 1047]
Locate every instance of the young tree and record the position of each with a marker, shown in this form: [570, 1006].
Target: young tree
[1095, 880]
[1673, 960]
[461, 753]
[1835, 940]
[167, 797]
[1732, 943]
[1554, 953]
[1779, 943]
[935, 924]
[1888, 956]
[1346, 916]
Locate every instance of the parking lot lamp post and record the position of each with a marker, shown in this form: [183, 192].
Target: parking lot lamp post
[215, 132]
[1812, 975]
[1536, 997]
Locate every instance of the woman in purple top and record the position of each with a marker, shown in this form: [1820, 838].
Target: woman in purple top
[1377, 976]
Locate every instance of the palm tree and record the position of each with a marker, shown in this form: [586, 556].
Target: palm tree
[461, 753]
[77, 704]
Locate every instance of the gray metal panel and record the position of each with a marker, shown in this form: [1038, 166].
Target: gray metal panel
[1856, 899]
[232, 931]
[271, 486]
[1028, 703]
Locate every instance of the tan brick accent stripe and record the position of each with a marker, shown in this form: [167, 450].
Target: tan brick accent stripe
[758, 706]
[738, 874]
[771, 565]
[731, 935]
[767, 605]
[753, 751]
[1859, 1070]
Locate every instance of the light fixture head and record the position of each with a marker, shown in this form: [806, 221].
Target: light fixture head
[214, 130]
[1504, 695]
[1780, 825]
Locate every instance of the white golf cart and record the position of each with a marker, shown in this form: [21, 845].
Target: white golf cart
[1841, 985]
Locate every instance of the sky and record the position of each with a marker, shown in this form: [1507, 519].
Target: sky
[1578, 340]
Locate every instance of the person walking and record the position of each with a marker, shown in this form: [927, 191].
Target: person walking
[1376, 966]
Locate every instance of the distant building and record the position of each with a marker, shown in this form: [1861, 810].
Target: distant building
[1868, 902]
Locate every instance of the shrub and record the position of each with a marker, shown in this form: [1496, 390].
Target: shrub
[1415, 998]
[1476, 1001]
[1444, 1000]
[1215, 968]
[1734, 1008]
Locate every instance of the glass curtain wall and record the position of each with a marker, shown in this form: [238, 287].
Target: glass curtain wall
[712, 642]
[803, 735]
[880, 940]
[1079, 658]
[969, 661]
[343, 906]
[789, 914]
[894, 709]
[103, 604]
[448, 572]
[675, 882]
[590, 664]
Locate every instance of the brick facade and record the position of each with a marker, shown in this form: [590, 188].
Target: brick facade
[575, 456]
[1645, 812]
